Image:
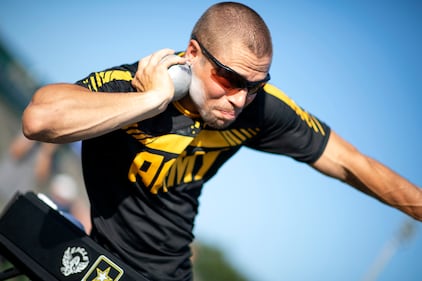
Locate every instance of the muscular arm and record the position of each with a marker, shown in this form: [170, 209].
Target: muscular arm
[344, 162]
[62, 113]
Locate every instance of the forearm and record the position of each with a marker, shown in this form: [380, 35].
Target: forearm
[62, 113]
[379, 181]
[342, 161]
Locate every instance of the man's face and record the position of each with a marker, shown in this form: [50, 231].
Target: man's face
[215, 96]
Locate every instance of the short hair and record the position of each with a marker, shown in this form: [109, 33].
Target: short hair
[229, 23]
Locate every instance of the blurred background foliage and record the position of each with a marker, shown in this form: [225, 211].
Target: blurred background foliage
[210, 264]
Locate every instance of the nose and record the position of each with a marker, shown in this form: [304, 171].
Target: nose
[237, 97]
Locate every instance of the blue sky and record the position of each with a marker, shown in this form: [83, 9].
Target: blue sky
[354, 64]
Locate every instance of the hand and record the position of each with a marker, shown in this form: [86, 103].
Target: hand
[152, 74]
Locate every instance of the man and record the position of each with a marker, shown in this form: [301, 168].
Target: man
[146, 157]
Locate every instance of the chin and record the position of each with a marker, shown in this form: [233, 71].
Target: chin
[218, 124]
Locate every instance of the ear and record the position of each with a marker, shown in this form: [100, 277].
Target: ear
[192, 50]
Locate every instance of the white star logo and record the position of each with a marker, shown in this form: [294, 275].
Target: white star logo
[103, 275]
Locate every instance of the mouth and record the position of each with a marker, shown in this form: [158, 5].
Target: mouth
[227, 115]
[221, 118]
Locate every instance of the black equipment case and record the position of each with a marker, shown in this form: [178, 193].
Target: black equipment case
[43, 245]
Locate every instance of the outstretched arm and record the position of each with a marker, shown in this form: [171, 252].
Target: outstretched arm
[343, 161]
[62, 113]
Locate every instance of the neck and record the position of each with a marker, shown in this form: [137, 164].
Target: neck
[187, 107]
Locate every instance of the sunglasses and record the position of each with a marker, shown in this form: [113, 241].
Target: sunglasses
[234, 79]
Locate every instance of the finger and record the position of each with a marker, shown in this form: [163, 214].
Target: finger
[156, 58]
[172, 59]
[144, 61]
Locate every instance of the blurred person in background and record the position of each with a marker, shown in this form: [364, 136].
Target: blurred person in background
[27, 165]
[64, 192]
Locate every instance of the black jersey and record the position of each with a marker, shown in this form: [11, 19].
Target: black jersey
[144, 180]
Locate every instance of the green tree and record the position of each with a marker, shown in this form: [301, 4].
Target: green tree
[210, 264]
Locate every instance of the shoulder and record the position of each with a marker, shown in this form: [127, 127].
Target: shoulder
[275, 97]
[112, 79]
[279, 106]
[272, 105]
